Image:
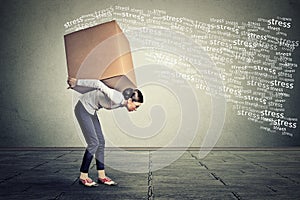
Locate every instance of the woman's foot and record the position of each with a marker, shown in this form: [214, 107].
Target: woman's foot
[87, 182]
[106, 181]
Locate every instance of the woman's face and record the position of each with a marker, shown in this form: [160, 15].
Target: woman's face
[132, 105]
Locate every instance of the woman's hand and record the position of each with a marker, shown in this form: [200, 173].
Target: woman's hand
[71, 82]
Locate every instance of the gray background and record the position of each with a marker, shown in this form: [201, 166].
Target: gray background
[36, 108]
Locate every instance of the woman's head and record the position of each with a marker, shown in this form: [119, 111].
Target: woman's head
[134, 98]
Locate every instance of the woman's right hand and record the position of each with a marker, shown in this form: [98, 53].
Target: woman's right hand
[71, 82]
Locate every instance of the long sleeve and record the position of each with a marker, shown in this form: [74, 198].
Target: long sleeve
[112, 94]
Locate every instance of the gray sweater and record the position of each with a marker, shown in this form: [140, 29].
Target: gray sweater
[100, 97]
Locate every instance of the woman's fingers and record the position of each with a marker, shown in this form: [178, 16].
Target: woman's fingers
[71, 82]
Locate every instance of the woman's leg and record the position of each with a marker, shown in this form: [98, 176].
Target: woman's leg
[99, 155]
[86, 123]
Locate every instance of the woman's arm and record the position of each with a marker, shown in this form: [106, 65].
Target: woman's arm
[92, 83]
[112, 94]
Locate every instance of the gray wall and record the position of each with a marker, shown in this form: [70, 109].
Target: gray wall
[36, 108]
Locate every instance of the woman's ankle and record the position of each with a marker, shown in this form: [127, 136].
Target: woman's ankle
[84, 175]
[101, 174]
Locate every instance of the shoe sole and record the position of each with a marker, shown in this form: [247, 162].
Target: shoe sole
[95, 185]
[114, 184]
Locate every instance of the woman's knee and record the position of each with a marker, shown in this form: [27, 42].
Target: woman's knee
[101, 143]
[93, 146]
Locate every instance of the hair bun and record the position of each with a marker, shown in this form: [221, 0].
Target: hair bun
[127, 93]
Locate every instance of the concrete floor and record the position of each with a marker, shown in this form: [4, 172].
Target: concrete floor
[239, 174]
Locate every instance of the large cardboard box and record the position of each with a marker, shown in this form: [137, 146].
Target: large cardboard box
[101, 52]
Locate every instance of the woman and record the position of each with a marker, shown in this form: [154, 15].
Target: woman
[85, 110]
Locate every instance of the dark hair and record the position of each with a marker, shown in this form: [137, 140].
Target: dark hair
[135, 94]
